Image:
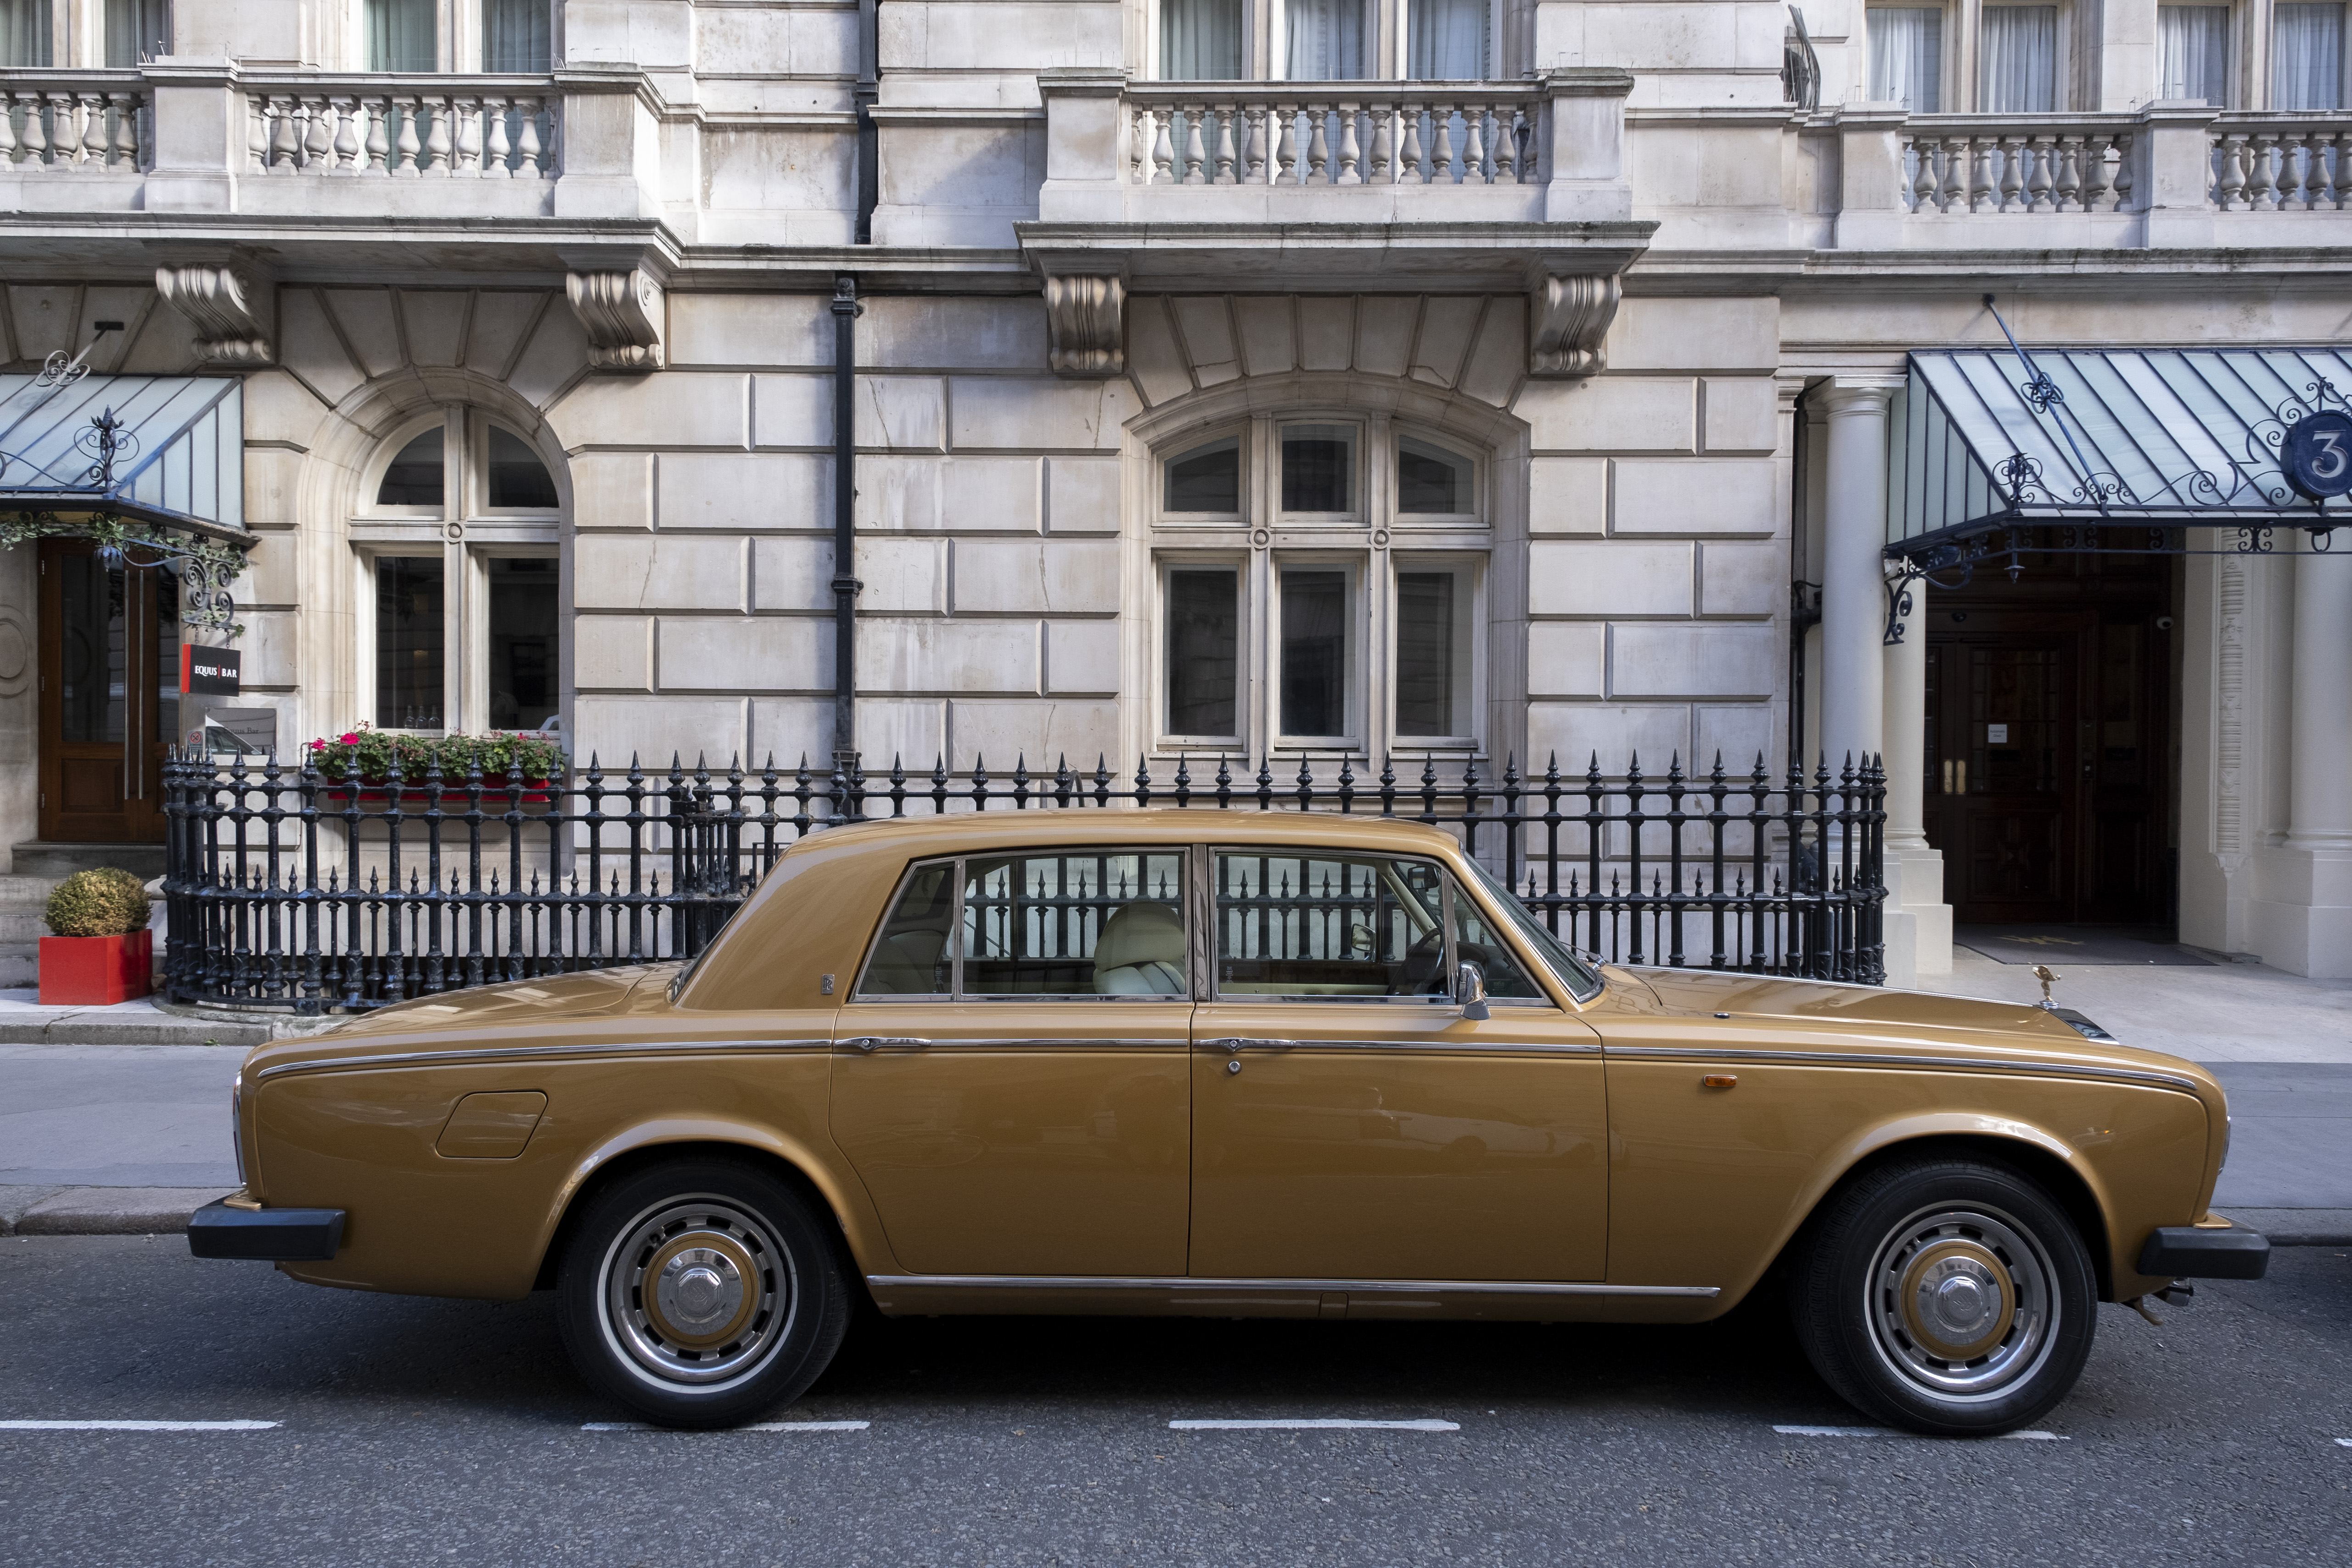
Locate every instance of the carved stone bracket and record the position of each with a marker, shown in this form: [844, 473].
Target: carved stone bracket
[621, 313]
[1086, 324]
[1567, 319]
[229, 308]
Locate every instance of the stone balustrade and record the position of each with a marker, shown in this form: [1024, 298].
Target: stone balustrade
[1975, 164]
[74, 121]
[2275, 163]
[1332, 134]
[476, 127]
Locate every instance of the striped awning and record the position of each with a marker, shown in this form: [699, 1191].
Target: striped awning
[2150, 439]
[165, 449]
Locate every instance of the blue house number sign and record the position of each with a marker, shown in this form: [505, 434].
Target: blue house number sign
[2316, 455]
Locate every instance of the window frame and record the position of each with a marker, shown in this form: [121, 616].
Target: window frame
[2233, 79]
[1446, 879]
[2263, 15]
[466, 534]
[1164, 566]
[1370, 540]
[958, 879]
[1355, 617]
[1470, 598]
[1387, 42]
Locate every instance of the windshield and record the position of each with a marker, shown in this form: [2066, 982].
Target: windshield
[1581, 981]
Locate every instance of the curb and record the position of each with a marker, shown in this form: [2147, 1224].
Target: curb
[98, 1030]
[102, 1211]
[2297, 1228]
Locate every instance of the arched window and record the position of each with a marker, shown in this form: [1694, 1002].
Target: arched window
[460, 608]
[1320, 587]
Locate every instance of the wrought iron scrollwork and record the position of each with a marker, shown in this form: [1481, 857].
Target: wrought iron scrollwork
[105, 442]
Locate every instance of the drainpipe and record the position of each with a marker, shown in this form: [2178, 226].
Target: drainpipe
[869, 88]
[845, 585]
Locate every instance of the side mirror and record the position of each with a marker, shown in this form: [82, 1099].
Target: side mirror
[1470, 992]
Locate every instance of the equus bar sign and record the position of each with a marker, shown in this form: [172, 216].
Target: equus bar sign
[208, 671]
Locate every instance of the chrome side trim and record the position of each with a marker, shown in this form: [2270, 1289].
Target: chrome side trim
[1857, 1058]
[1435, 1048]
[950, 1043]
[1362, 1287]
[539, 1054]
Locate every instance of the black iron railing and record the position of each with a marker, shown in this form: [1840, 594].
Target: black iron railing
[285, 888]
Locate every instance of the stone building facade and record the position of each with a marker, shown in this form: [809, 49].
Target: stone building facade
[1487, 379]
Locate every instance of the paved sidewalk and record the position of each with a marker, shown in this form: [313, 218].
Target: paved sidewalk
[24, 1021]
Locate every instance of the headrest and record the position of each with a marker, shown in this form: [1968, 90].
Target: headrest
[1140, 934]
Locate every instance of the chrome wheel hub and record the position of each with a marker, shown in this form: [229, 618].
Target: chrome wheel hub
[1961, 1301]
[697, 1292]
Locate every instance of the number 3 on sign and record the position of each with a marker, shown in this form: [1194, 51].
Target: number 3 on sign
[2316, 455]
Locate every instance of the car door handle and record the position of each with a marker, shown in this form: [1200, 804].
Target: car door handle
[1235, 1046]
[879, 1042]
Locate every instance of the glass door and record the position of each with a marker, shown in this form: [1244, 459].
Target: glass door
[110, 694]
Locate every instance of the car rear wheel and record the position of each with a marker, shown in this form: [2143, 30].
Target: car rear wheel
[1948, 1296]
[702, 1292]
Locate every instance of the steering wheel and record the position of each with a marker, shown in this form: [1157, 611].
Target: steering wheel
[1425, 968]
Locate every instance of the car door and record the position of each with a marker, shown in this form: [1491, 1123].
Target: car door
[1350, 1121]
[1010, 1069]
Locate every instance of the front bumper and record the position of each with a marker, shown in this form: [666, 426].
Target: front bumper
[265, 1236]
[2193, 1252]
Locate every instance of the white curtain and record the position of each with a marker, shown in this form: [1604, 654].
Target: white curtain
[515, 37]
[2307, 57]
[23, 32]
[1446, 40]
[1325, 40]
[1906, 57]
[400, 35]
[2019, 53]
[136, 30]
[2196, 52]
[1200, 40]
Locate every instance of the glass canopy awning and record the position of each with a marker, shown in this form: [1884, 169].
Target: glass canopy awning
[167, 450]
[1993, 451]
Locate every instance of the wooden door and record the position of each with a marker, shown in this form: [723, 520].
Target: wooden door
[2048, 739]
[110, 694]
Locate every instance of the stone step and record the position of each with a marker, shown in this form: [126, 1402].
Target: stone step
[58, 861]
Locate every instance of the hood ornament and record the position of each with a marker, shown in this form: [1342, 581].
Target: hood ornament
[2041, 972]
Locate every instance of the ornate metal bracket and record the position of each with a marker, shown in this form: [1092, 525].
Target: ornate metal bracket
[59, 371]
[622, 313]
[1086, 324]
[1568, 319]
[229, 308]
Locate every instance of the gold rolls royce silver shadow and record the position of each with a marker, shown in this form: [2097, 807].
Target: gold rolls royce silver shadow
[1171, 1061]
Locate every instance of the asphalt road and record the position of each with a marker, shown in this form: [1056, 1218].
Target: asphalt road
[416, 1430]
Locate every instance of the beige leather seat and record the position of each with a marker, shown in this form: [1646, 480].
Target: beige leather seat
[1141, 953]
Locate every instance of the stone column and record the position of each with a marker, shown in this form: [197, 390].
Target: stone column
[2318, 873]
[1853, 591]
[1915, 870]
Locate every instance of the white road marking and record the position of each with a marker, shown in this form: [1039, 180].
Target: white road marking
[2344, 1442]
[1890, 1432]
[1319, 1423]
[754, 1426]
[136, 1426]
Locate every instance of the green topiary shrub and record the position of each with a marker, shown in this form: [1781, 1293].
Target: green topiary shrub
[105, 901]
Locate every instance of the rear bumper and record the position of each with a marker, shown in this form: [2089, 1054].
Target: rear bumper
[265, 1235]
[2188, 1252]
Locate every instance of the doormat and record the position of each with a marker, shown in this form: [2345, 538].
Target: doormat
[2060, 945]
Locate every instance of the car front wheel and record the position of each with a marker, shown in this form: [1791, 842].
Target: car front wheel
[1948, 1296]
[702, 1292]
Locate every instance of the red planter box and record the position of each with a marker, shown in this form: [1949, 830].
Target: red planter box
[96, 971]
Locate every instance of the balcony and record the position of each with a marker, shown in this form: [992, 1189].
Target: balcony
[2164, 176]
[207, 137]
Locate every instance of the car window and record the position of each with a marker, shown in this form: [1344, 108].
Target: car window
[1092, 922]
[1304, 923]
[1475, 940]
[1574, 972]
[912, 956]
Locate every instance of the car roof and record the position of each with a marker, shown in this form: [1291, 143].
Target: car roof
[1048, 826]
